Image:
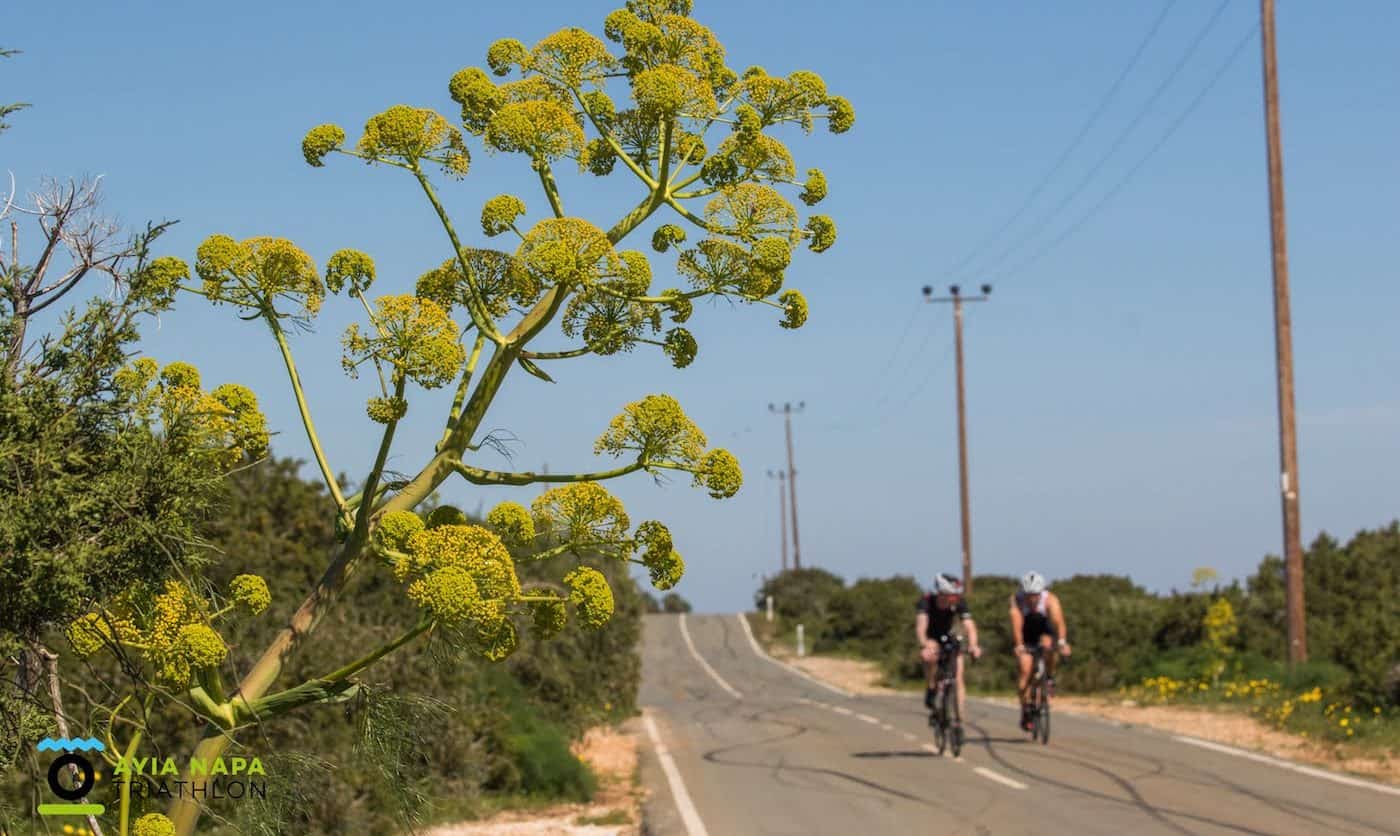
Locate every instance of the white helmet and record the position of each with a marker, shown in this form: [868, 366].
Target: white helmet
[947, 585]
[1032, 583]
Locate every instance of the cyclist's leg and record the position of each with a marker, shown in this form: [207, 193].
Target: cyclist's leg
[962, 688]
[1024, 663]
[930, 674]
[1047, 645]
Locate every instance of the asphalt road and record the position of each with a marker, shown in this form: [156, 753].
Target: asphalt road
[743, 745]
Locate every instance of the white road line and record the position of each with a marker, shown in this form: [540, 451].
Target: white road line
[706, 665]
[842, 710]
[910, 737]
[929, 747]
[690, 817]
[998, 777]
[874, 721]
[762, 655]
[1282, 764]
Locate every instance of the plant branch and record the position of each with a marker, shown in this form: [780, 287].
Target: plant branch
[480, 318]
[478, 476]
[326, 473]
[551, 188]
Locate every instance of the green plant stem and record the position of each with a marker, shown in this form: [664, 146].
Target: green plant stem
[326, 473]
[369, 312]
[477, 476]
[377, 472]
[456, 412]
[613, 143]
[480, 318]
[551, 188]
[556, 355]
[688, 215]
[332, 683]
[125, 808]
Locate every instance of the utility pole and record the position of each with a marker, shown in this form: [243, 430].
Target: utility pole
[781, 476]
[955, 296]
[1283, 348]
[787, 412]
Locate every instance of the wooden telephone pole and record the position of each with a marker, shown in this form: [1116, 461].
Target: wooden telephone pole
[955, 296]
[781, 476]
[1283, 348]
[787, 412]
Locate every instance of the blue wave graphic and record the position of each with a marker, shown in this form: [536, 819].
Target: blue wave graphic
[50, 744]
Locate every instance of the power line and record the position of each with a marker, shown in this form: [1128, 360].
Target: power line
[1132, 172]
[899, 343]
[1118, 143]
[887, 391]
[1073, 145]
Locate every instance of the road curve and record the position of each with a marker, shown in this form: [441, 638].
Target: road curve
[741, 745]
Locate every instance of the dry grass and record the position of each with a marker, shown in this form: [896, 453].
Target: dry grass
[855, 675]
[1237, 729]
[612, 754]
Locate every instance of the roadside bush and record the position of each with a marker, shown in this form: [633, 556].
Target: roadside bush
[674, 603]
[1124, 635]
[473, 731]
[801, 596]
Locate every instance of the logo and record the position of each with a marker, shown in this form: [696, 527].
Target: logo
[80, 774]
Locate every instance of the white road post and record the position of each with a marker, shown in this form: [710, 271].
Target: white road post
[770, 608]
[801, 648]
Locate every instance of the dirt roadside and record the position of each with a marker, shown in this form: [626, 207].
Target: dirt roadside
[616, 809]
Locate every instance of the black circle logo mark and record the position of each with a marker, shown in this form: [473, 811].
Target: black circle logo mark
[84, 768]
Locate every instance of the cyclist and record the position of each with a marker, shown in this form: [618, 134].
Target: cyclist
[1037, 619]
[939, 613]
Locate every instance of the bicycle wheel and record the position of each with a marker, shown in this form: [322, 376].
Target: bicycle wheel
[1044, 712]
[956, 732]
[940, 729]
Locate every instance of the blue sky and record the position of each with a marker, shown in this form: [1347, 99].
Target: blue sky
[1121, 389]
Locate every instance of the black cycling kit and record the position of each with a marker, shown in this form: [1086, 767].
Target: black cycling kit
[1035, 619]
[941, 620]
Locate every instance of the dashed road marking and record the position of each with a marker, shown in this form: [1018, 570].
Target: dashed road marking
[998, 777]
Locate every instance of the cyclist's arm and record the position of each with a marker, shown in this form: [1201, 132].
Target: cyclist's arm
[921, 628]
[971, 632]
[1057, 615]
[1015, 624]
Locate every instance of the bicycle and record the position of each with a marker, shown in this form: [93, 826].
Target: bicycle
[945, 683]
[1040, 688]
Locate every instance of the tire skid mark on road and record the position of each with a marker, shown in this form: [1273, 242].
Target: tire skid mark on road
[714, 674]
[717, 756]
[1196, 776]
[1136, 800]
[928, 747]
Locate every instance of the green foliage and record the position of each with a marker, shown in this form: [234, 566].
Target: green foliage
[435, 731]
[1124, 635]
[104, 477]
[801, 593]
[673, 603]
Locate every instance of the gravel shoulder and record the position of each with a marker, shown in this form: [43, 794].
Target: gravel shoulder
[615, 809]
